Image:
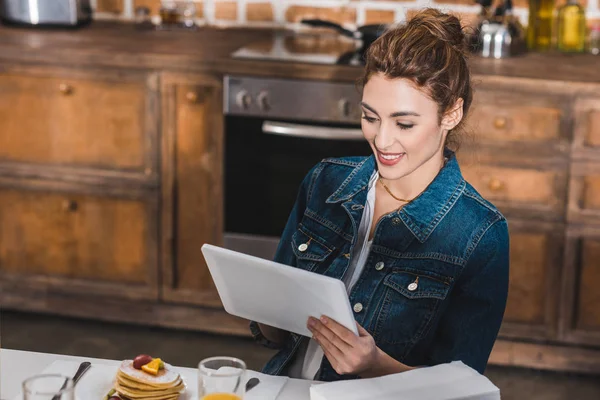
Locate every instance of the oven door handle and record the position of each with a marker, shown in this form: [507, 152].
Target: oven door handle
[311, 131]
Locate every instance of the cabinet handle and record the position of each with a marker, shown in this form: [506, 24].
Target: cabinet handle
[192, 97]
[500, 122]
[69, 205]
[496, 185]
[65, 89]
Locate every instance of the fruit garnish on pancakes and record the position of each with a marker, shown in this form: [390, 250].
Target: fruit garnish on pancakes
[147, 378]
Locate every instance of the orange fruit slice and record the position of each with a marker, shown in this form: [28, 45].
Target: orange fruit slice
[152, 367]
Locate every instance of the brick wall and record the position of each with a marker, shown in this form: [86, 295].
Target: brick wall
[285, 12]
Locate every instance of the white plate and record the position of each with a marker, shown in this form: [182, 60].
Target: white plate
[99, 379]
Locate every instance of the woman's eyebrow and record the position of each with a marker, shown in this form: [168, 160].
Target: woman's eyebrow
[392, 115]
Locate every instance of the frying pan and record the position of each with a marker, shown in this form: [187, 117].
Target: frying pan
[367, 33]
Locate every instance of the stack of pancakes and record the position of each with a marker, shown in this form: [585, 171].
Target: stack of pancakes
[136, 384]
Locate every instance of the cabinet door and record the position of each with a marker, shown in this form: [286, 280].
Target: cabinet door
[94, 122]
[586, 138]
[520, 118]
[521, 191]
[535, 260]
[580, 312]
[75, 239]
[192, 168]
[584, 193]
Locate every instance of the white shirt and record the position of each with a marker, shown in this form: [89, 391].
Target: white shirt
[310, 356]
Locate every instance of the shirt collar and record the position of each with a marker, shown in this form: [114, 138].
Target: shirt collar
[422, 215]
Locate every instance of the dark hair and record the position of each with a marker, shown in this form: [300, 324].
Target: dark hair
[430, 50]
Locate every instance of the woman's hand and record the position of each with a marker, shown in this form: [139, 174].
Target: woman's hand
[346, 352]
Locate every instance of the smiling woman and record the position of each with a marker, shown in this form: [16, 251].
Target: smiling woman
[423, 256]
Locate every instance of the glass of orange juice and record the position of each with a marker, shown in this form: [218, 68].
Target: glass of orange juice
[221, 378]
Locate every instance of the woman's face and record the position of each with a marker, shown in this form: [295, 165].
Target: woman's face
[401, 124]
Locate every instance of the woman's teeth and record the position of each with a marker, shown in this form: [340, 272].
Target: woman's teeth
[391, 156]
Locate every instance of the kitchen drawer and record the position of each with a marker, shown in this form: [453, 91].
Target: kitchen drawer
[586, 140]
[78, 239]
[92, 119]
[505, 116]
[584, 193]
[520, 191]
[536, 252]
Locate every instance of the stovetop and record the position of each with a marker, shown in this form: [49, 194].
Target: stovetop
[312, 48]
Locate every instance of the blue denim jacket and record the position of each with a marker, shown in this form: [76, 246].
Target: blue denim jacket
[449, 241]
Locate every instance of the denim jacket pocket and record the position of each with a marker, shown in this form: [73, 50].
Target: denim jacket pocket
[308, 250]
[409, 303]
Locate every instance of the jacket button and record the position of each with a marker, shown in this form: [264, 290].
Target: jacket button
[303, 247]
[396, 221]
[356, 207]
[379, 266]
[358, 307]
[413, 286]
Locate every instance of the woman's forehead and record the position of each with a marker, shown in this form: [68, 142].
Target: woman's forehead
[388, 95]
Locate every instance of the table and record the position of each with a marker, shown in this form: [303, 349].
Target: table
[16, 366]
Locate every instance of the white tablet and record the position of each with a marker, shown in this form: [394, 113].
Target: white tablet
[276, 294]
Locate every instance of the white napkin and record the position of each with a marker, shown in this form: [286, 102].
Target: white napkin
[453, 381]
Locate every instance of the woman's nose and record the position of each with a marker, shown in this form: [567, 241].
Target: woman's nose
[384, 138]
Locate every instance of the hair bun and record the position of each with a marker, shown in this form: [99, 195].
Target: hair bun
[445, 27]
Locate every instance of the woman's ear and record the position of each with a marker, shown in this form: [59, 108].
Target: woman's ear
[453, 116]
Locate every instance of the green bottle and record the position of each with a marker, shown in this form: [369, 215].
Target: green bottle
[539, 28]
[571, 28]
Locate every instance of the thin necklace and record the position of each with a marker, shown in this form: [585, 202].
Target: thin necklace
[391, 194]
[398, 198]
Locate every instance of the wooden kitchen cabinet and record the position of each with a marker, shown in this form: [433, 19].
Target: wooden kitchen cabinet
[100, 122]
[580, 308]
[77, 239]
[192, 185]
[536, 252]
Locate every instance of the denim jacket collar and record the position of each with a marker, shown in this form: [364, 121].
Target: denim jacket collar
[422, 215]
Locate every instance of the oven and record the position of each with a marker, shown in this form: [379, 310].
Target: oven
[276, 130]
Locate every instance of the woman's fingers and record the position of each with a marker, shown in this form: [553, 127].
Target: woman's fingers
[345, 335]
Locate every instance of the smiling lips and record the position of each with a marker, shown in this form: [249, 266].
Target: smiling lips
[390, 158]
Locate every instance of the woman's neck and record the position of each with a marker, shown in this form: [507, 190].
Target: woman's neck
[410, 186]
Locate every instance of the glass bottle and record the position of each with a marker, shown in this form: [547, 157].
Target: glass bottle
[594, 46]
[571, 28]
[539, 29]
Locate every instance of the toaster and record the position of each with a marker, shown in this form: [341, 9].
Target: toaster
[67, 13]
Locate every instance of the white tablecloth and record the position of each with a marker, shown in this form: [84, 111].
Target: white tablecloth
[16, 366]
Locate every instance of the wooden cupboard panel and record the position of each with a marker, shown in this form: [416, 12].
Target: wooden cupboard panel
[535, 260]
[521, 191]
[586, 140]
[588, 304]
[515, 122]
[505, 114]
[580, 305]
[528, 264]
[73, 236]
[584, 192]
[591, 197]
[192, 190]
[86, 120]
[75, 239]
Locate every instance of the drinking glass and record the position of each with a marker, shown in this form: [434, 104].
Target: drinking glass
[221, 378]
[47, 386]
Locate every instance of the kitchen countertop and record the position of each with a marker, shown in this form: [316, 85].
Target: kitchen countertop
[114, 44]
